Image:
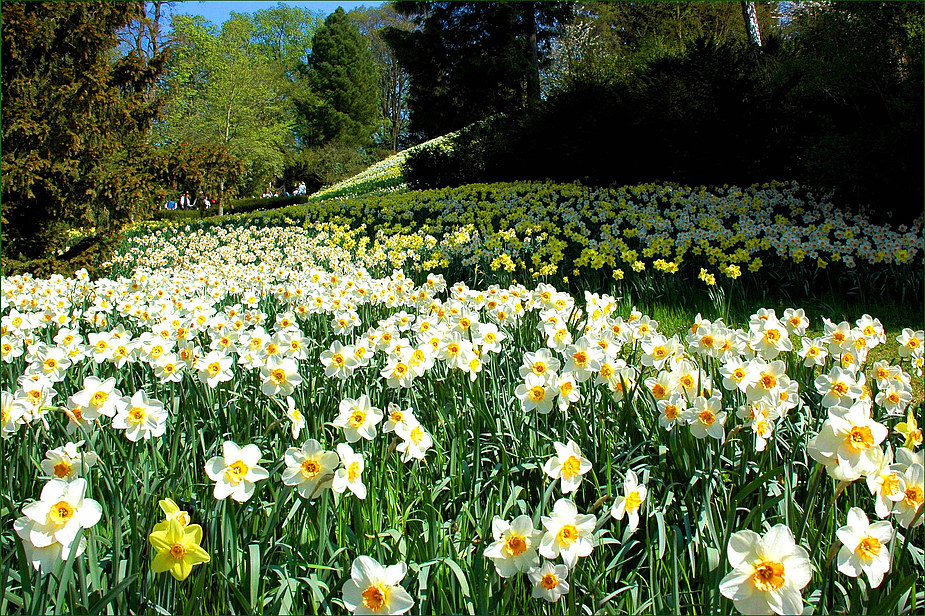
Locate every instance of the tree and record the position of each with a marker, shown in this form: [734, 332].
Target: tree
[394, 80]
[640, 31]
[201, 168]
[858, 105]
[145, 34]
[74, 124]
[285, 34]
[225, 91]
[750, 15]
[471, 60]
[343, 102]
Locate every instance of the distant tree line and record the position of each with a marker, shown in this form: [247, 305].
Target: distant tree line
[111, 108]
[108, 108]
[827, 93]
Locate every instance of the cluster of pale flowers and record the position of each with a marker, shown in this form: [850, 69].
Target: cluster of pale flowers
[311, 469]
[518, 544]
[208, 325]
[50, 528]
[185, 334]
[769, 571]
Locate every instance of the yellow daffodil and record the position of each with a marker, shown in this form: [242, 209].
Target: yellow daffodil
[910, 429]
[173, 512]
[178, 549]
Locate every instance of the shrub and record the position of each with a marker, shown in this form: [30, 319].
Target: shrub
[716, 114]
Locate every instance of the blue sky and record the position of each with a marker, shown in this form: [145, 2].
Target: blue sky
[219, 12]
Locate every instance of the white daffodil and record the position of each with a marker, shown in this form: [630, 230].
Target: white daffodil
[397, 416]
[14, 413]
[630, 504]
[567, 533]
[280, 376]
[583, 359]
[397, 371]
[514, 547]
[671, 410]
[415, 441]
[358, 418]
[865, 547]
[768, 572]
[96, 398]
[310, 469]
[351, 475]
[68, 462]
[848, 443]
[567, 391]
[296, 418]
[568, 465]
[140, 417]
[338, 361]
[45, 559]
[549, 581]
[374, 589]
[706, 418]
[536, 393]
[236, 471]
[886, 483]
[540, 363]
[214, 368]
[909, 507]
[61, 513]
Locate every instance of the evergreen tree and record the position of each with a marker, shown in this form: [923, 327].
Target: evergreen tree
[343, 102]
[75, 121]
[471, 60]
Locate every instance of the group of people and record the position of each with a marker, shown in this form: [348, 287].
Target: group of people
[185, 203]
[282, 192]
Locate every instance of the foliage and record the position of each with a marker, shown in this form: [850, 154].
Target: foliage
[227, 88]
[394, 80]
[323, 165]
[713, 112]
[470, 60]
[202, 169]
[282, 552]
[635, 33]
[856, 110]
[343, 106]
[285, 33]
[75, 121]
[701, 118]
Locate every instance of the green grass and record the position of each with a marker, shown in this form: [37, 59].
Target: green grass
[280, 554]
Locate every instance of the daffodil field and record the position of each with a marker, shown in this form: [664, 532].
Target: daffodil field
[274, 414]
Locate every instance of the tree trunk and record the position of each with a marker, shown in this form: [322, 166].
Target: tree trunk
[228, 115]
[533, 83]
[750, 13]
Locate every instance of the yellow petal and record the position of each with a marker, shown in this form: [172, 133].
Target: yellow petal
[159, 541]
[193, 535]
[181, 569]
[175, 532]
[164, 562]
[169, 508]
[197, 555]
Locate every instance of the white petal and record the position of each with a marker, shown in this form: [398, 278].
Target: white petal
[366, 571]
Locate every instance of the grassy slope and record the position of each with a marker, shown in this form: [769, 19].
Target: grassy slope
[675, 314]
